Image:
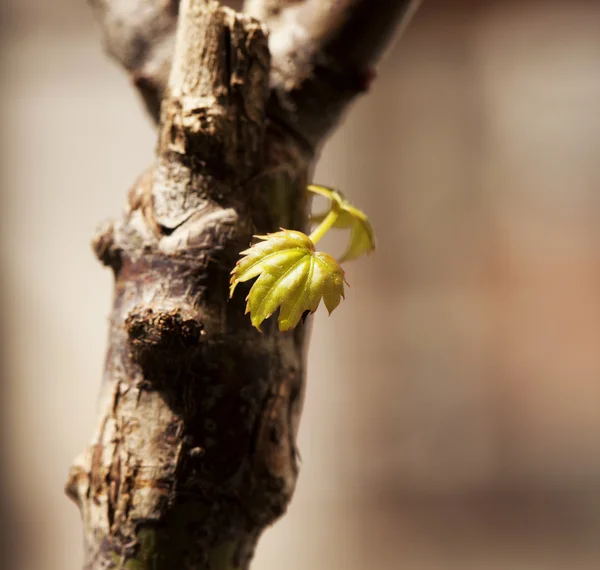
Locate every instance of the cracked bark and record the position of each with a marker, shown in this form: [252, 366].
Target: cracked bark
[194, 452]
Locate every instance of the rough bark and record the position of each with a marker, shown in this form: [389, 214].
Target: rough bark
[194, 453]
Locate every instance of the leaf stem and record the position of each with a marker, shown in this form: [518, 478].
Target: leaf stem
[325, 225]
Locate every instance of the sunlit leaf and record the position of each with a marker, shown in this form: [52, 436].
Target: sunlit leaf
[292, 277]
[362, 236]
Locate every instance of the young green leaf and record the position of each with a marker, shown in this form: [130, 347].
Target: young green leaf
[362, 236]
[292, 276]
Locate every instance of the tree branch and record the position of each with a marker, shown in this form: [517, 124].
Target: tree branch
[323, 53]
[139, 34]
[194, 452]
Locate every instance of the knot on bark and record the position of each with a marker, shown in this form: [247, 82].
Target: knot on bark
[160, 339]
[105, 248]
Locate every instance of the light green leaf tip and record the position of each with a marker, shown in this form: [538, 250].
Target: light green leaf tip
[362, 235]
[292, 277]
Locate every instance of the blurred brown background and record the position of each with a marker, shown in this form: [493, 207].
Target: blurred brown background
[452, 419]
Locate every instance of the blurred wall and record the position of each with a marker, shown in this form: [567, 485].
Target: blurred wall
[453, 408]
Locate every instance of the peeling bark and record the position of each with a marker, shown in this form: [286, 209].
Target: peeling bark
[194, 452]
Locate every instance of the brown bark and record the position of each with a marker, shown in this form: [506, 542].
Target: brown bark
[194, 454]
